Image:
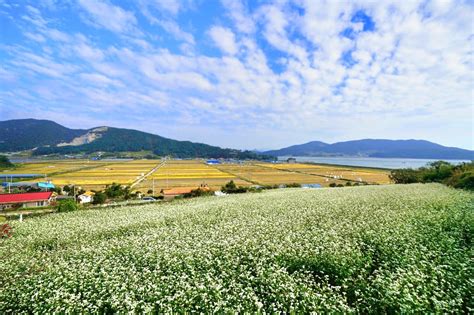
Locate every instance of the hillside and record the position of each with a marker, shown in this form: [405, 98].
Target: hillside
[369, 250]
[26, 134]
[416, 149]
[47, 137]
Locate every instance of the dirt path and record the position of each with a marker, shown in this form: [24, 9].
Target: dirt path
[142, 178]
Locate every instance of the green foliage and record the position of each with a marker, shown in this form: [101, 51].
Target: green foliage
[73, 190]
[67, 205]
[198, 193]
[332, 185]
[457, 176]
[231, 188]
[388, 249]
[117, 191]
[293, 185]
[405, 176]
[436, 172]
[99, 198]
[5, 162]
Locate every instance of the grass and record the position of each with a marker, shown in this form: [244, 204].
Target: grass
[371, 249]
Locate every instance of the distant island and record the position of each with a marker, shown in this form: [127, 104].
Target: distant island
[379, 148]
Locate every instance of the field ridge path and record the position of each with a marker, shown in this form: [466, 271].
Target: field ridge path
[143, 177]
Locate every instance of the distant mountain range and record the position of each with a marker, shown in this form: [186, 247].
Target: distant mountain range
[414, 149]
[44, 137]
[47, 137]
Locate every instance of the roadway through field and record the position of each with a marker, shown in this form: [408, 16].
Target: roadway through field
[142, 178]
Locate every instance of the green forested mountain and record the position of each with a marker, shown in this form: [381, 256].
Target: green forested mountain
[26, 134]
[46, 135]
[380, 148]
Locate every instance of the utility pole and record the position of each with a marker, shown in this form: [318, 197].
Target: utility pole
[74, 193]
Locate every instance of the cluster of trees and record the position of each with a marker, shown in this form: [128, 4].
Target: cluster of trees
[113, 191]
[457, 176]
[5, 162]
[199, 192]
[232, 188]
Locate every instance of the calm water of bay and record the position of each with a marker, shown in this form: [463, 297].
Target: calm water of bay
[388, 163]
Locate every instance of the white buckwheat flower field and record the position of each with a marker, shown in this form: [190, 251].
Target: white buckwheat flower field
[372, 249]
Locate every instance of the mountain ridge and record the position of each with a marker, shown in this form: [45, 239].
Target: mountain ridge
[382, 148]
[46, 137]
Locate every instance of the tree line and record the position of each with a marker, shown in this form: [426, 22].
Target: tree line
[457, 176]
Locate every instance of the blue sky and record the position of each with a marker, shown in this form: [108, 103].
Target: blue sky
[243, 74]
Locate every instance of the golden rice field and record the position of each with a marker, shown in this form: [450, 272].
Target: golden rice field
[188, 173]
[53, 166]
[373, 176]
[123, 172]
[267, 174]
[192, 173]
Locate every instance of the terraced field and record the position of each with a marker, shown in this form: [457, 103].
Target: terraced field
[123, 172]
[192, 173]
[373, 176]
[189, 173]
[388, 249]
[269, 174]
[53, 166]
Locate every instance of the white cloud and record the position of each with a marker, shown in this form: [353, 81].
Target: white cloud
[283, 76]
[109, 16]
[243, 21]
[224, 39]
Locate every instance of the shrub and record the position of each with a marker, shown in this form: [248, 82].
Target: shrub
[5, 230]
[231, 188]
[198, 193]
[99, 198]
[405, 176]
[332, 185]
[293, 185]
[457, 176]
[67, 205]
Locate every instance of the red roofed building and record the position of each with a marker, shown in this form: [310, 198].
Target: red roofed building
[25, 200]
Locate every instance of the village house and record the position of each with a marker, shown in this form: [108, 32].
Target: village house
[177, 191]
[85, 197]
[25, 200]
[291, 160]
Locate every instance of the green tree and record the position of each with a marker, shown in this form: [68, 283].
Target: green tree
[231, 188]
[405, 176]
[436, 171]
[5, 162]
[99, 198]
[67, 205]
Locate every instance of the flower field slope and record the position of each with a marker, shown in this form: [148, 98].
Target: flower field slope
[371, 249]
